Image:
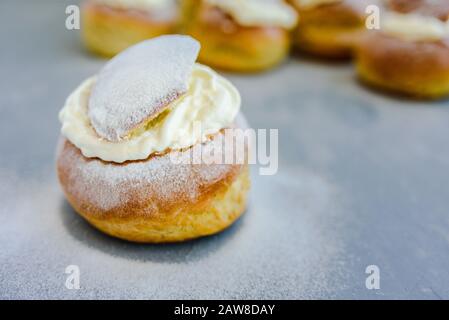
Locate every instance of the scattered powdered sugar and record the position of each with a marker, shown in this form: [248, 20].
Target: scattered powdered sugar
[139, 83]
[289, 245]
[162, 178]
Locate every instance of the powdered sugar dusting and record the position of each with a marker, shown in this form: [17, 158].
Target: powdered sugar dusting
[162, 178]
[139, 83]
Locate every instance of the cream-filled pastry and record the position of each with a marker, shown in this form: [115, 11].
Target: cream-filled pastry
[110, 26]
[135, 174]
[240, 35]
[408, 55]
[330, 28]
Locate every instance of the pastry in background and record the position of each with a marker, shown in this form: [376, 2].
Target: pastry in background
[408, 55]
[188, 9]
[145, 154]
[330, 28]
[240, 35]
[436, 8]
[110, 26]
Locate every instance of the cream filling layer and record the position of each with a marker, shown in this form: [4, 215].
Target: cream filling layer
[210, 104]
[253, 13]
[137, 4]
[414, 27]
[309, 4]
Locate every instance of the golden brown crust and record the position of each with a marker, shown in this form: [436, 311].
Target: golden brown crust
[331, 30]
[108, 31]
[154, 200]
[230, 46]
[415, 68]
[212, 215]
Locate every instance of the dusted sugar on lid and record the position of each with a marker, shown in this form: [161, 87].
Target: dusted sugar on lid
[139, 83]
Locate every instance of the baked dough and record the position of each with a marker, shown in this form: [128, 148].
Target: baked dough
[418, 69]
[107, 30]
[331, 29]
[195, 185]
[154, 200]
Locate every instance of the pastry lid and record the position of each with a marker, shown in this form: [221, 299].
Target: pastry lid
[138, 84]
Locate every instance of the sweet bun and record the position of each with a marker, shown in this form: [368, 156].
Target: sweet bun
[329, 29]
[419, 69]
[410, 53]
[163, 181]
[228, 44]
[154, 200]
[107, 30]
[435, 8]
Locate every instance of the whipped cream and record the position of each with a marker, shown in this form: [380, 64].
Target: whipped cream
[309, 4]
[136, 4]
[258, 12]
[414, 27]
[211, 101]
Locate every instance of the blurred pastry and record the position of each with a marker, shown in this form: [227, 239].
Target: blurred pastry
[132, 161]
[408, 55]
[188, 9]
[241, 35]
[110, 26]
[435, 8]
[330, 28]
